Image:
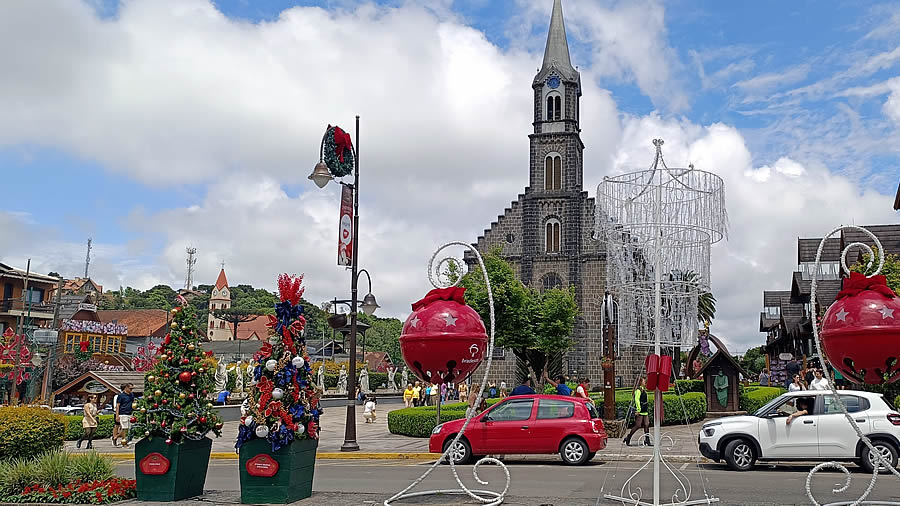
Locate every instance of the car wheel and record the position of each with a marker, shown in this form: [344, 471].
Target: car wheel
[740, 455]
[574, 451]
[461, 452]
[886, 450]
[591, 456]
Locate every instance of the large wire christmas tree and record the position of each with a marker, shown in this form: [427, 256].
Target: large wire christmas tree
[283, 405]
[175, 404]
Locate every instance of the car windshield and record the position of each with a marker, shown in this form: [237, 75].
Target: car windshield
[592, 410]
[768, 405]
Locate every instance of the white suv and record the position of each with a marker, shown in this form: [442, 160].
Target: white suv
[823, 434]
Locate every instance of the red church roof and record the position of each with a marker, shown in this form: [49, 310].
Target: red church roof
[221, 282]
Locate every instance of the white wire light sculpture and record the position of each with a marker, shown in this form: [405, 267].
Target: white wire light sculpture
[486, 497]
[658, 225]
[660, 221]
[881, 463]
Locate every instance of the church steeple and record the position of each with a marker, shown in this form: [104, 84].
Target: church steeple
[556, 52]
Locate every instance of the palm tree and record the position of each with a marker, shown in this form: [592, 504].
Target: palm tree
[706, 301]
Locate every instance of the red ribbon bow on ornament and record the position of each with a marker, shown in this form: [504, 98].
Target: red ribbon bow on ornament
[341, 142]
[857, 283]
[84, 346]
[454, 293]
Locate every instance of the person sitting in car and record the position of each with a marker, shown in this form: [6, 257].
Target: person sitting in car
[803, 407]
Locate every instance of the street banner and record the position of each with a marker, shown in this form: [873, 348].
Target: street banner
[345, 229]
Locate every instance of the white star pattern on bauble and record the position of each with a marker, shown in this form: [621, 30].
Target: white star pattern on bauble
[414, 323]
[841, 315]
[886, 313]
[449, 320]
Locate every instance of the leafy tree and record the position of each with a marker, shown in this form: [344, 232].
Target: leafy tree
[535, 326]
[891, 269]
[383, 335]
[235, 317]
[754, 360]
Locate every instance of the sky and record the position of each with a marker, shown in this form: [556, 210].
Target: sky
[154, 125]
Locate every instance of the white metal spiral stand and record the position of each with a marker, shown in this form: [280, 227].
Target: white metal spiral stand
[880, 460]
[487, 497]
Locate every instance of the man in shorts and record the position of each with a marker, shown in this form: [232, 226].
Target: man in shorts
[117, 430]
[124, 411]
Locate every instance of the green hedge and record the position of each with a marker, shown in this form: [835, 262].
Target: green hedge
[897, 402]
[419, 422]
[104, 427]
[753, 398]
[685, 386]
[26, 432]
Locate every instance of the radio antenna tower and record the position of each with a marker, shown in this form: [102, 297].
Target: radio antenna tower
[87, 260]
[191, 262]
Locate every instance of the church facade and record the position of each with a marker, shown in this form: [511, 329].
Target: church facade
[547, 233]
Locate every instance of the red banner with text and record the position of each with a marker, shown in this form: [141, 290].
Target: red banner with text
[345, 228]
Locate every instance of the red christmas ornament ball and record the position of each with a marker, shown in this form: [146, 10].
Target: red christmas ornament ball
[202, 419]
[155, 405]
[165, 401]
[185, 361]
[184, 377]
[133, 419]
[443, 340]
[168, 441]
[861, 333]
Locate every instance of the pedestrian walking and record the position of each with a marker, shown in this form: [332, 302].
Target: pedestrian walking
[417, 394]
[492, 390]
[88, 423]
[820, 382]
[641, 414]
[369, 409]
[524, 389]
[502, 389]
[764, 378]
[408, 395]
[117, 429]
[796, 385]
[124, 409]
[463, 391]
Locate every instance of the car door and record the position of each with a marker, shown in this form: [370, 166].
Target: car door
[800, 439]
[837, 438]
[550, 424]
[507, 427]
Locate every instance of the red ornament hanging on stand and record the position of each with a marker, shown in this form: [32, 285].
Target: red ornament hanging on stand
[861, 330]
[443, 340]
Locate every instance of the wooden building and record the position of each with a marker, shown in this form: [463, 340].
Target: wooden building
[721, 375]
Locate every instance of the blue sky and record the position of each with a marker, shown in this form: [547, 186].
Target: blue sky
[150, 125]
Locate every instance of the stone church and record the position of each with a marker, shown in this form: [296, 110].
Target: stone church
[547, 233]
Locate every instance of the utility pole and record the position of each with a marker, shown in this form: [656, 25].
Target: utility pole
[87, 260]
[191, 262]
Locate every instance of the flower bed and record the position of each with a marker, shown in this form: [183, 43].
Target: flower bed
[94, 492]
[60, 477]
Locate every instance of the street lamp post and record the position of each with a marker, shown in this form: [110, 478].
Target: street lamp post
[609, 374]
[321, 176]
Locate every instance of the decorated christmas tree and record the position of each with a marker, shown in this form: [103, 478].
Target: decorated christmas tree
[283, 404]
[175, 404]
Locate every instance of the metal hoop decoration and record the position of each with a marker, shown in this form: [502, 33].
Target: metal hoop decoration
[487, 497]
[880, 460]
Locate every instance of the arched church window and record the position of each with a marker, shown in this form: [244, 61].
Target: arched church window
[551, 280]
[549, 108]
[557, 109]
[553, 172]
[552, 236]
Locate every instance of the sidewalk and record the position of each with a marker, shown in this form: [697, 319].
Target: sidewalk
[375, 441]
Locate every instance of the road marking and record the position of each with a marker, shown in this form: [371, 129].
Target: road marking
[683, 467]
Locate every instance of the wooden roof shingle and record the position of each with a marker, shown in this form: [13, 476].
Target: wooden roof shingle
[807, 248]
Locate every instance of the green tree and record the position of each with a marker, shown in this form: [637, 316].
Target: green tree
[383, 335]
[235, 317]
[754, 360]
[891, 269]
[535, 326]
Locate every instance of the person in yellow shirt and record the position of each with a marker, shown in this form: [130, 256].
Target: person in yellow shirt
[408, 395]
[417, 394]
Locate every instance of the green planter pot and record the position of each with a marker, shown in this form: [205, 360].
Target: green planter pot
[170, 472]
[280, 477]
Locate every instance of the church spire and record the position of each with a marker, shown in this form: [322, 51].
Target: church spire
[557, 49]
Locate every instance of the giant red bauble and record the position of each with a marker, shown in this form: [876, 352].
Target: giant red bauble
[184, 377]
[861, 337]
[443, 341]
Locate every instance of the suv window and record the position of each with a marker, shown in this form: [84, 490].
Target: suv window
[854, 404]
[789, 405]
[552, 408]
[512, 411]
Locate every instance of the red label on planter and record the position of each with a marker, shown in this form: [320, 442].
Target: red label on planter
[262, 465]
[154, 463]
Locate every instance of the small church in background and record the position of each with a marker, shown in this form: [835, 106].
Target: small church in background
[220, 298]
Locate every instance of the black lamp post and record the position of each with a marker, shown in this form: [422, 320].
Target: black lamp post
[321, 176]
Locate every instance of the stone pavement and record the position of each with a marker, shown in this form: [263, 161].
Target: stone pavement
[679, 442]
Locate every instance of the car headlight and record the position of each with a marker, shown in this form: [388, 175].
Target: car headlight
[709, 431]
[437, 429]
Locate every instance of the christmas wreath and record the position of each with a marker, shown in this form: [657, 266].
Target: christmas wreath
[338, 151]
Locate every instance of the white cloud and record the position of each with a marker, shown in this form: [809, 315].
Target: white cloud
[892, 104]
[170, 91]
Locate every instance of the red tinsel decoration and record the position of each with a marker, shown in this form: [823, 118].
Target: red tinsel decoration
[289, 288]
[342, 141]
[857, 283]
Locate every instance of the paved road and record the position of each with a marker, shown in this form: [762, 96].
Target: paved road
[552, 484]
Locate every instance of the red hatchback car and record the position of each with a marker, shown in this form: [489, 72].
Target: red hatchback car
[527, 424]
